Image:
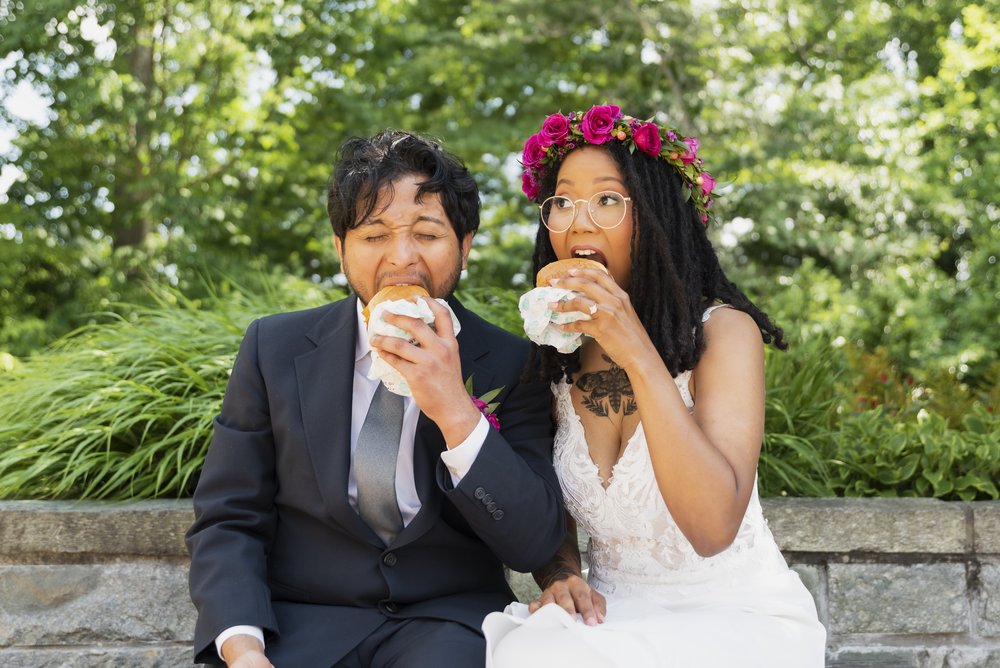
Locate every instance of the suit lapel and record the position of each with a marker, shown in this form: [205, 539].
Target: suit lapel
[326, 383]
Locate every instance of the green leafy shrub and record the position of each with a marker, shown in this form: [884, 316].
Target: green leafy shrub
[880, 456]
[124, 409]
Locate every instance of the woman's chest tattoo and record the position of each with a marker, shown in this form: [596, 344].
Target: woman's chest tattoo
[607, 391]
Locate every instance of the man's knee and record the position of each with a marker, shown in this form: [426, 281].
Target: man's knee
[431, 643]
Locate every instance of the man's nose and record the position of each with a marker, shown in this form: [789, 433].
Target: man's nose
[402, 250]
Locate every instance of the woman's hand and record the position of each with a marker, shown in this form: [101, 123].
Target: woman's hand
[575, 596]
[612, 322]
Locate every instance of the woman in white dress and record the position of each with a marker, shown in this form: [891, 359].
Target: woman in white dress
[660, 417]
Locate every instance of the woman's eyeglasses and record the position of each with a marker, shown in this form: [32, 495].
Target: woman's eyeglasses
[606, 209]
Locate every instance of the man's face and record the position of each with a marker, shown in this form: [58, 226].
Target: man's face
[403, 242]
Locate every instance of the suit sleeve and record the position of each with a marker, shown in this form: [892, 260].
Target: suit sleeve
[234, 511]
[511, 497]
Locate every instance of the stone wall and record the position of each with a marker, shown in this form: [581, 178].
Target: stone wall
[897, 582]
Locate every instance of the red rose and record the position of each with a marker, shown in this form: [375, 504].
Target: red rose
[529, 186]
[647, 139]
[534, 151]
[692, 152]
[598, 123]
[707, 183]
[555, 129]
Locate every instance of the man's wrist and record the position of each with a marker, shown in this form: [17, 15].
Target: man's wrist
[236, 646]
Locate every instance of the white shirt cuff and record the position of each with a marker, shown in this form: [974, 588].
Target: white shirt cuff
[254, 631]
[461, 458]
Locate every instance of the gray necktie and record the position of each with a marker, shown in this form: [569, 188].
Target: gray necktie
[375, 464]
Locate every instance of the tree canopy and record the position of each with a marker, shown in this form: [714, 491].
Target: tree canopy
[183, 138]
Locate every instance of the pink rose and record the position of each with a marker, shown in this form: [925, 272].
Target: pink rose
[691, 154]
[707, 183]
[534, 151]
[555, 129]
[529, 186]
[598, 123]
[647, 139]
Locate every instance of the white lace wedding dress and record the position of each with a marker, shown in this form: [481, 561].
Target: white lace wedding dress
[667, 606]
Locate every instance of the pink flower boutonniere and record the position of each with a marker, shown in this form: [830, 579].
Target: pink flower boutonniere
[483, 403]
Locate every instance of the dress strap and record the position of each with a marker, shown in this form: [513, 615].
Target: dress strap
[711, 309]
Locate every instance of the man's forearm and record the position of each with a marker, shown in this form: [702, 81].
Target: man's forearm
[564, 563]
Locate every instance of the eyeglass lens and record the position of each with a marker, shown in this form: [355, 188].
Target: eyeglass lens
[607, 210]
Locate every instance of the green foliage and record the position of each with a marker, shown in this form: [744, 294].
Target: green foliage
[194, 140]
[124, 409]
[877, 456]
[800, 416]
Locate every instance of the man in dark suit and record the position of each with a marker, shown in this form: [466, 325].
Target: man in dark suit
[282, 562]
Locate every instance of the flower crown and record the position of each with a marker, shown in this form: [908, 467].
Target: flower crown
[561, 133]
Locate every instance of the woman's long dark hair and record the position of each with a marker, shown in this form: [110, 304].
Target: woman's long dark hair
[675, 271]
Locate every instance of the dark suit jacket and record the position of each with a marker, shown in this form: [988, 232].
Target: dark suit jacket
[275, 542]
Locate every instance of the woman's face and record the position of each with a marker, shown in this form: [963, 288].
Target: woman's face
[585, 172]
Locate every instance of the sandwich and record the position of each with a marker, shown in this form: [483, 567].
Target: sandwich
[392, 293]
[561, 268]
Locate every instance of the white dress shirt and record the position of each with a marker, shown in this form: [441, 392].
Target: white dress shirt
[458, 460]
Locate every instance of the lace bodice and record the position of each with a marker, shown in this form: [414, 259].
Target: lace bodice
[634, 542]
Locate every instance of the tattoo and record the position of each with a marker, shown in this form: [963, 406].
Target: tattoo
[607, 388]
[564, 563]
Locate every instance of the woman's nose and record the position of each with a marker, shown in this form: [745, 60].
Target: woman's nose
[581, 215]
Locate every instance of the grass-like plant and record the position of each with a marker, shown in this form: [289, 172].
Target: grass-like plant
[800, 417]
[124, 408]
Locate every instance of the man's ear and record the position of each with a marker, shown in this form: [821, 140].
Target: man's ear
[338, 244]
[466, 247]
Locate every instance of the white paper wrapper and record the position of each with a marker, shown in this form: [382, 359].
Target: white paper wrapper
[380, 369]
[540, 322]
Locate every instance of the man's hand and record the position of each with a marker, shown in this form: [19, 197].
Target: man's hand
[574, 595]
[243, 651]
[433, 370]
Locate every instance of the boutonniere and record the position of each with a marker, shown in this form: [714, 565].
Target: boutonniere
[483, 403]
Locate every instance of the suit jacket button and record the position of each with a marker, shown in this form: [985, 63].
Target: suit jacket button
[488, 498]
[498, 515]
[490, 507]
[391, 607]
[479, 493]
[389, 559]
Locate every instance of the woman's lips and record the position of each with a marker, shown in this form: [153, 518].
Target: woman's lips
[589, 253]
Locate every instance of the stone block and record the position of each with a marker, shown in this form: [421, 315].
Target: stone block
[523, 585]
[986, 524]
[98, 657]
[91, 604]
[812, 578]
[989, 600]
[73, 529]
[914, 657]
[883, 598]
[898, 526]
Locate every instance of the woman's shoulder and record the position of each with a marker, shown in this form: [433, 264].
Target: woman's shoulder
[729, 330]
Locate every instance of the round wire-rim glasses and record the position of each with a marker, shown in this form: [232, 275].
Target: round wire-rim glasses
[606, 209]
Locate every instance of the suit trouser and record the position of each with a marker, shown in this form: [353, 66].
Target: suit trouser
[419, 643]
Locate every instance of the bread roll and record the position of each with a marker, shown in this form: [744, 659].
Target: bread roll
[392, 293]
[561, 268]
